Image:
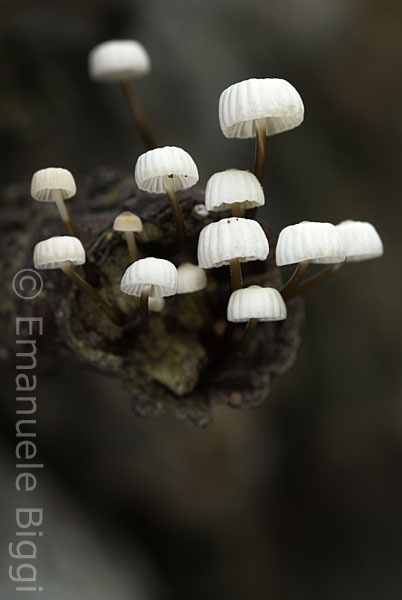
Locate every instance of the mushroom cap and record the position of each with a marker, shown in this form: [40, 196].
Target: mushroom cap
[127, 221]
[158, 274]
[317, 242]
[118, 60]
[275, 100]
[156, 304]
[47, 181]
[233, 186]
[154, 166]
[190, 278]
[50, 253]
[255, 302]
[360, 240]
[221, 242]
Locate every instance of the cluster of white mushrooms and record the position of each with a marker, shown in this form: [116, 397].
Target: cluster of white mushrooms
[255, 108]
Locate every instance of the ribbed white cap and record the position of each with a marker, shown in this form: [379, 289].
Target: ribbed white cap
[360, 240]
[118, 60]
[159, 274]
[156, 304]
[233, 186]
[155, 165]
[318, 242]
[47, 181]
[227, 239]
[255, 302]
[275, 100]
[55, 250]
[127, 221]
[190, 278]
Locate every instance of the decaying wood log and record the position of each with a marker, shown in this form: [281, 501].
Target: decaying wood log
[172, 368]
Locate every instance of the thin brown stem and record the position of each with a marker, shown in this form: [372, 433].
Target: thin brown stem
[176, 208]
[131, 245]
[138, 113]
[144, 308]
[293, 281]
[235, 274]
[111, 312]
[316, 279]
[260, 148]
[237, 210]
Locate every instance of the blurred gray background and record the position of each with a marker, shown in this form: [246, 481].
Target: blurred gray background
[303, 497]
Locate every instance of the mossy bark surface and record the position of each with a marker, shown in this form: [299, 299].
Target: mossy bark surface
[166, 370]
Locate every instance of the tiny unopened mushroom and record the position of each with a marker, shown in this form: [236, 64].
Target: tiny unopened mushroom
[156, 304]
[167, 170]
[149, 277]
[129, 224]
[55, 184]
[190, 278]
[259, 108]
[233, 190]
[360, 240]
[65, 253]
[231, 242]
[122, 61]
[307, 242]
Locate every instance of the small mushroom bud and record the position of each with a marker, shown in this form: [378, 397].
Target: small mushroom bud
[156, 304]
[128, 223]
[190, 278]
[304, 243]
[231, 242]
[149, 278]
[122, 61]
[360, 240]
[233, 190]
[167, 170]
[55, 185]
[258, 108]
[65, 252]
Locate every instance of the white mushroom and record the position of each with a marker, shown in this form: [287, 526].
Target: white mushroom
[129, 224]
[360, 240]
[55, 185]
[254, 302]
[190, 278]
[307, 242]
[233, 190]
[156, 304]
[66, 252]
[258, 108]
[167, 170]
[122, 61]
[149, 277]
[231, 242]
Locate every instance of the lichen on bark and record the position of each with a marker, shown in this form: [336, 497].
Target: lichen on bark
[170, 369]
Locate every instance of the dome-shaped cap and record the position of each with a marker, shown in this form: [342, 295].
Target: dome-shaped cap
[233, 186]
[156, 304]
[50, 253]
[317, 242]
[190, 278]
[221, 242]
[275, 100]
[127, 221]
[118, 60]
[158, 273]
[360, 240]
[254, 302]
[47, 181]
[155, 165]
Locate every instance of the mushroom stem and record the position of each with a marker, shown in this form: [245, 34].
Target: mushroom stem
[245, 338]
[176, 208]
[111, 312]
[260, 148]
[235, 274]
[138, 113]
[131, 245]
[144, 308]
[293, 281]
[315, 279]
[237, 210]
